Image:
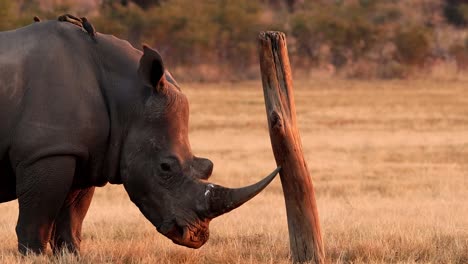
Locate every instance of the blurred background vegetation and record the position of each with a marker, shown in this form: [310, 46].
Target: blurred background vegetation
[215, 40]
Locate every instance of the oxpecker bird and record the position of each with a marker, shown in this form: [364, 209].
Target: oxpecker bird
[70, 18]
[37, 19]
[89, 28]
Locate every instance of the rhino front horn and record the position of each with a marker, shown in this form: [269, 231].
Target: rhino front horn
[221, 200]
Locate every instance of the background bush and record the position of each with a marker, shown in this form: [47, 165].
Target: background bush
[216, 39]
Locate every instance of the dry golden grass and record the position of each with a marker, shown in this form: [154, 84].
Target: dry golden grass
[389, 161]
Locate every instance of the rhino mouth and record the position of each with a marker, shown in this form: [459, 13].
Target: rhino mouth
[185, 235]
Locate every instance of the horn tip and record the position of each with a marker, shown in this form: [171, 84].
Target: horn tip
[276, 171]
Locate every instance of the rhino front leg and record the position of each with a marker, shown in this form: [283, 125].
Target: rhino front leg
[41, 188]
[66, 234]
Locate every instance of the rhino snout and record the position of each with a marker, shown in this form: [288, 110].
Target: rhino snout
[203, 168]
[189, 236]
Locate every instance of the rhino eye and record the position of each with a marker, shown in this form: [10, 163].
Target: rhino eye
[165, 167]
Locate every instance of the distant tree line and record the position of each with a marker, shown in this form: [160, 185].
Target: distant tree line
[216, 39]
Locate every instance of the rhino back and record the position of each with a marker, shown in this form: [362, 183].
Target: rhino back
[50, 100]
[14, 48]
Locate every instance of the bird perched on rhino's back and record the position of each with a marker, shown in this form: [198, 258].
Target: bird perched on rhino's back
[89, 28]
[70, 18]
[36, 19]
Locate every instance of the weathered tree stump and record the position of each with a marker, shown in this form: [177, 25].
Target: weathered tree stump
[303, 220]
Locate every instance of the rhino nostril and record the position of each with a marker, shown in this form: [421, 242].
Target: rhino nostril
[206, 168]
[209, 169]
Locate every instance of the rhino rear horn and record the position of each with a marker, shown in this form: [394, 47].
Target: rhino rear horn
[221, 200]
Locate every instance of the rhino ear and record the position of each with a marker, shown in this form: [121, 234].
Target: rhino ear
[151, 69]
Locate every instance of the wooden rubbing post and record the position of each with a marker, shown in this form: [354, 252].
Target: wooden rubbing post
[303, 222]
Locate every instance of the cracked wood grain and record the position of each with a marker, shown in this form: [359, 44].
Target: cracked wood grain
[303, 221]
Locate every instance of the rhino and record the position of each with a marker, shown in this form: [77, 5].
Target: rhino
[77, 114]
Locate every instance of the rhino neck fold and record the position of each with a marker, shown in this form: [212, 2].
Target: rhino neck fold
[117, 61]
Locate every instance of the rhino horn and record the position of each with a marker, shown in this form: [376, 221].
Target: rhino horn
[221, 200]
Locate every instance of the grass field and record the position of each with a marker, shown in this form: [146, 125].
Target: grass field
[389, 161]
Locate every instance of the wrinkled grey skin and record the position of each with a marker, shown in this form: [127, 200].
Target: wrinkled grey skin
[77, 114]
